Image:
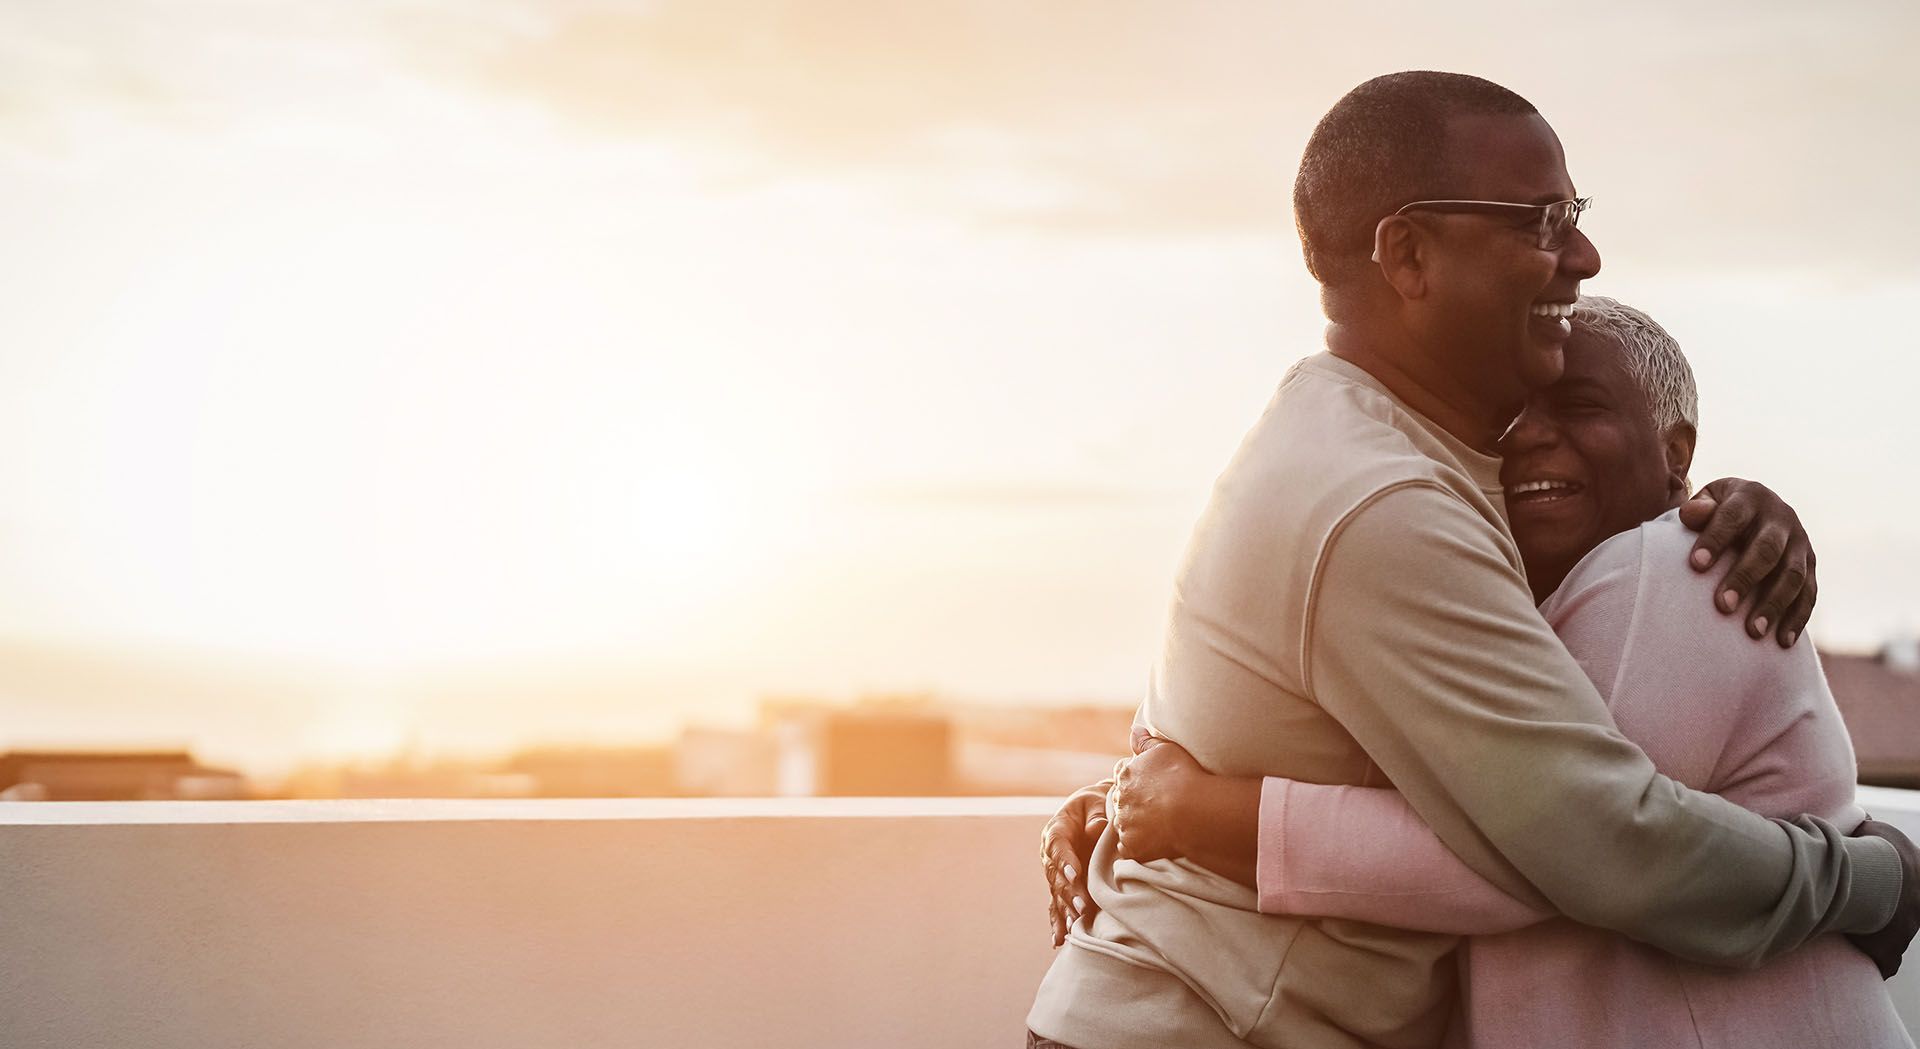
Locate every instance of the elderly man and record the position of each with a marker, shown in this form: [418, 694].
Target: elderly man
[1594, 471]
[1352, 610]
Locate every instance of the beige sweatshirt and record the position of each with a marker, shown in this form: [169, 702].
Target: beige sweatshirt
[1352, 610]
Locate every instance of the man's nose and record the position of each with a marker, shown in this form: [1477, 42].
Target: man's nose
[1579, 259]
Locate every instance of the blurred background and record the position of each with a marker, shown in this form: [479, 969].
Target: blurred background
[726, 397]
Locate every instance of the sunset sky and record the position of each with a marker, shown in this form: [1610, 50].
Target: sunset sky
[681, 352]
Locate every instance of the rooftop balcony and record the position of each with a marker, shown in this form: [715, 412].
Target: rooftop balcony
[795, 923]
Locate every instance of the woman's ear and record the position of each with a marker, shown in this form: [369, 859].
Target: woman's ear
[1678, 447]
[1398, 242]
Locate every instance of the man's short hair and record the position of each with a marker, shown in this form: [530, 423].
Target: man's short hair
[1653, 358]
[1383, 145]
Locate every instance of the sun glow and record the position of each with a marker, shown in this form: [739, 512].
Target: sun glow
[338, 429]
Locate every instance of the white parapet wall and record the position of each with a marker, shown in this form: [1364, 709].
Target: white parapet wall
[796, 923]
[514, 925]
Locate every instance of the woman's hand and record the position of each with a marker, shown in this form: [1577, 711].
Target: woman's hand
[1065, 845]
[1148, 797]
[1165, 804]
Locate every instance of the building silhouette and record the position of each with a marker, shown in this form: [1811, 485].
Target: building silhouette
[1879, 698]
[81, 775]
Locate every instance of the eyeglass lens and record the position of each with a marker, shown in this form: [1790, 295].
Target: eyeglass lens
[1557, 222]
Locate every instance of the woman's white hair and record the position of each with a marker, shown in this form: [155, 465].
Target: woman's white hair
[1652, 357]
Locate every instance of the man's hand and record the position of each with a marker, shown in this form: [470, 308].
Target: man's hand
[1065, 845]
[1886, 946]
[1775, 558]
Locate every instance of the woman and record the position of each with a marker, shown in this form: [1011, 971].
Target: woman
[1594, 470]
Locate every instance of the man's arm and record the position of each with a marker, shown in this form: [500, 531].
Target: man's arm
[1425, 644]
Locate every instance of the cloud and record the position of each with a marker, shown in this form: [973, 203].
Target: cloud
[1090, 116]
[1004, 495]
[1720, 132]
[1732, 134]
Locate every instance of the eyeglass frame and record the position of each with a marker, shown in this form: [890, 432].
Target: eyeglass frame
[1494, 207]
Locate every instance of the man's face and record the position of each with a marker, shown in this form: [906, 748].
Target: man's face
[1583, 461]
[1489, 280]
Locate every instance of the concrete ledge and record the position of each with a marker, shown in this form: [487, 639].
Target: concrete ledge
[515, 924]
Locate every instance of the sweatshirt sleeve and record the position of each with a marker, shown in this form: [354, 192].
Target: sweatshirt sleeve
[1330, 851]
[1424, 643]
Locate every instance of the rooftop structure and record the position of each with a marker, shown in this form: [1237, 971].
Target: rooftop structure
[1879, 697]
[111, 775]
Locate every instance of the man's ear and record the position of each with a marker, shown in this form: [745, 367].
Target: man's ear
[1678, 447]
[1398, 243]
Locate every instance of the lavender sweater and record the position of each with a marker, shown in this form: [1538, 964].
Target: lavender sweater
[1715, 711]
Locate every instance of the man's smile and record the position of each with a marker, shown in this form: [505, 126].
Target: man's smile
[1553, 319]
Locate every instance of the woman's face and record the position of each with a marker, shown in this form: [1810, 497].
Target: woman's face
[1584, 462]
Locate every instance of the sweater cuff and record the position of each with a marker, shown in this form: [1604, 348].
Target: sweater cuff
[1270, 862]
[1875, 876]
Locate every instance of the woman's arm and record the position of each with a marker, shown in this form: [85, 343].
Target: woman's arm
[1363, 853]
[1308, 849]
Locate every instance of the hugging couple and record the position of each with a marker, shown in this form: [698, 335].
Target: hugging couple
[1452, 739]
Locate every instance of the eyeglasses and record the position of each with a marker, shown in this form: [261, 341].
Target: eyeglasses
[1555, 221]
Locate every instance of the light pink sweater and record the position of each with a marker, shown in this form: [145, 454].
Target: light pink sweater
[1713, 709]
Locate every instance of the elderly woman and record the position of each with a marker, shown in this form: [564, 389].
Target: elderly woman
[1594, 471]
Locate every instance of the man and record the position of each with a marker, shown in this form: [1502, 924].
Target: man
[1595, 470]
[1352, 609]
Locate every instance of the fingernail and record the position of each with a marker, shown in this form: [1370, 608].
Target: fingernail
[1702, 559]
[1071, 874]
[1760, 624]
[1792, 636]
[1729, 599]
[1079, 906]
